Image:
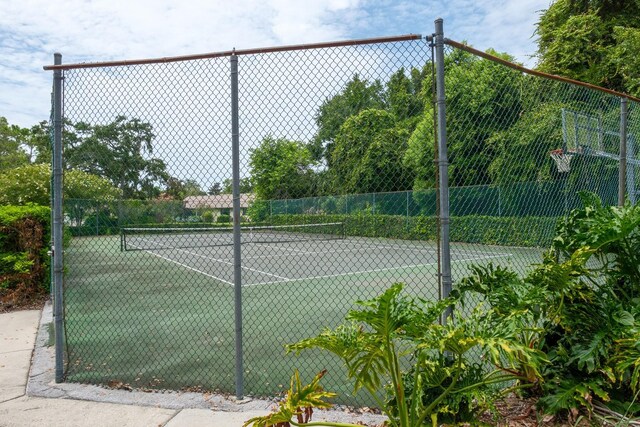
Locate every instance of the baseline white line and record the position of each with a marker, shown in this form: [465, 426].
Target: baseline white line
[367, 271]
[188, 267]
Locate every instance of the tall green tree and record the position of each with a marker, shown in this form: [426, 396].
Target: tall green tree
[121, 152]
[12, 139]
[483, 97]
[403, 94]
[368, 153]
[179, 189]
[357, 95]
[595, 41]
[245, 184]
[282, 169]
[215, 189]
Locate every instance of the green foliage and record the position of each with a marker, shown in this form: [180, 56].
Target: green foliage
[367, 154]
[11, 139]
[223, 219]
[120, 152]
[24, 236]
[258, 211]
[516, 160]
[357, 95]
[594, 41]
[488, 230]
[215, 189]
[179, 189]
[281, 168]
[298, 403]
[583, 304]
[32, 184]
[207, 216]
[391, 330]
[246, 186]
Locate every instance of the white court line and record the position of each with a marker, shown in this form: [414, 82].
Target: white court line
[230, 263]
[286, 279]
[365, 247]
[189, 267]
[411, 248]
[211, 259]
[306, 253]
[368, 271]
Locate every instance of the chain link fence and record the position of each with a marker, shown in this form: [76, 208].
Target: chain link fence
[331, 187]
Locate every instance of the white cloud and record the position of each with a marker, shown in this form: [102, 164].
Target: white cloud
[98, 30]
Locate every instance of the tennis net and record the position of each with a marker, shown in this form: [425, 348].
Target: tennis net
[156, 238]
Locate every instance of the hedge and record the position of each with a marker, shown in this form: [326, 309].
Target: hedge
[486, 230]
[24, 262]
[480, 229]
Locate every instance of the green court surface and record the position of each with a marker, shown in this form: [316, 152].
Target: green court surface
[164, 318]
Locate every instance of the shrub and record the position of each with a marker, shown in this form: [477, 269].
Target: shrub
[480, 229]
[24, 236]
[223, 219]
[207, 216]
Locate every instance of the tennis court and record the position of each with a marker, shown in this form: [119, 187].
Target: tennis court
[281, 254]
[161, 314]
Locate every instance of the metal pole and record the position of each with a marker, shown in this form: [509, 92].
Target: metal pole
[622, 172]
[443, 163]
[237, 260]
[56, 252]
[631, 177]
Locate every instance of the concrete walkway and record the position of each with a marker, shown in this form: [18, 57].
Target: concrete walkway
[29, 395]
[18, 332]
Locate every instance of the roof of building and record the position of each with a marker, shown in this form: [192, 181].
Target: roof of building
[219, 201]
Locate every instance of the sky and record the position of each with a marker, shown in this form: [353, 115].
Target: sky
[103, 30]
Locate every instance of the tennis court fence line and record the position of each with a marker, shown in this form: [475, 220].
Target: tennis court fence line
[234, 202]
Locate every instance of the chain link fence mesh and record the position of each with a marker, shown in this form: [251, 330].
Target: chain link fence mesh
[338, 199]
[503, 125]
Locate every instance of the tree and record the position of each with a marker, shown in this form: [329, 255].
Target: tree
[32, 183]
[357, 95]
[281, 169]
[368, 153]
[483, 97]
[246, 186]
[11, 140]
[38, 142]
[179, 189]
[118, 151]
[215, 189]
[403, 93]
[595, 41]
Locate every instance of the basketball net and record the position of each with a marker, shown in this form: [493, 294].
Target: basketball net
[562, 159]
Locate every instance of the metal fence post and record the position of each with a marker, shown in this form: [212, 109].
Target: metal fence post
[622, 172]
[443, 163]
[57, 251]
[237, 260]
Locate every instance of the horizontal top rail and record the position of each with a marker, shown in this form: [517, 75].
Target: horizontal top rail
[164, 60]
[493, 58]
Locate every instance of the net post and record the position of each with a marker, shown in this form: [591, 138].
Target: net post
[57, 231]
[443, 163]
[237, 260]
[622, 171]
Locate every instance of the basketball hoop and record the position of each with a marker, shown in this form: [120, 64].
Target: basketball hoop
[562, 159]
